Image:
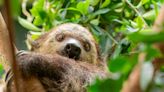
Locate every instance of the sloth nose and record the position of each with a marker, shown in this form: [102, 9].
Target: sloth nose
[72, 51]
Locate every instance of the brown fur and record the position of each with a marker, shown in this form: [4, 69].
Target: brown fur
[48, 45]
[46, 69]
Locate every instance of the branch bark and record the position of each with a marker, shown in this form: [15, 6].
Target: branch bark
[4, 45]
[7, 46]
[133, 84]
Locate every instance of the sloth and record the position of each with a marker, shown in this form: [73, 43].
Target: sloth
[66, 59]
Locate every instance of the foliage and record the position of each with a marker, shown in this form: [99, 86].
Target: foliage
[121, 27]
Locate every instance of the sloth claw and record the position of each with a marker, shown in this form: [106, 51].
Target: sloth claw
[21, 53]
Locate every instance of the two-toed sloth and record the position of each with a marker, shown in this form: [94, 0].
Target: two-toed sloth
[66, 59]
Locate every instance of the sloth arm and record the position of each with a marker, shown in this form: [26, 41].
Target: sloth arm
[42, 73]
[57, 67]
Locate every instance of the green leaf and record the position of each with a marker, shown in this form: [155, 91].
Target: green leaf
[105, 43]
[1, 70]
[117, 51]
[73, 9]
[38, 12]
[144, 1]
[117, 5]
[94, 2]
[151, 52]
[150, 15]
[37, 6]
[95, 21]
[156, 8]
[147, 36]
[1, 2]
[105, 3]
[72, 1]
[96, 32]
[83, 6]
[28, 24]
[101, 11]
[38, 21]
[139, 22]
[15, 7]
[108, 85]
[121, 48]
[118, 64]
[34, 37]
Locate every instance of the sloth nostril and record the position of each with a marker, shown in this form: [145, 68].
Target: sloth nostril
[72, 51]
[68, 47]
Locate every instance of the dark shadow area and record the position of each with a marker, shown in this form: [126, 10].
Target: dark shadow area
[20, 36]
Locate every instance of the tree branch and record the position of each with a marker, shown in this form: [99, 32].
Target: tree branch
[5, 45]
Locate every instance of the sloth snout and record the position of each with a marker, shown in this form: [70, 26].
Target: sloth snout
[72, 51]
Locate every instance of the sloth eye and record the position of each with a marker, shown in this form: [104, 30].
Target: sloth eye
[60, 37]
[87, 46]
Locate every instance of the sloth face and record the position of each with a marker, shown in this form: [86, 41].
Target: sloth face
[71, 46]
[69, 40]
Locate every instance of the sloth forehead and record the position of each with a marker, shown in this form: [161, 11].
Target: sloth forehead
[72, 28]
[69, 30]
[71, 35]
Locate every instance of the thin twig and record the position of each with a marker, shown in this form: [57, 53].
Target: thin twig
[116, 42]
[138, 13]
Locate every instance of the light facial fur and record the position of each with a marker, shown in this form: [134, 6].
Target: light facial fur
[71, 33]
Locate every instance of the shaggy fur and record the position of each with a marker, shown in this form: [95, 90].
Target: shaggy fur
[47, 69]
